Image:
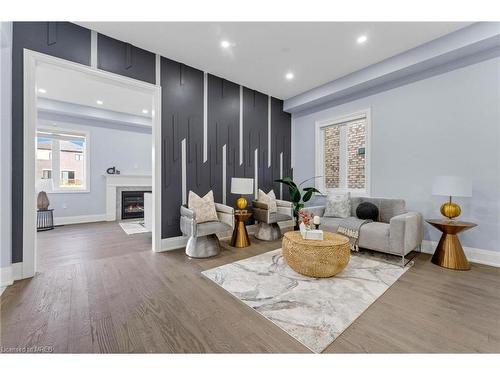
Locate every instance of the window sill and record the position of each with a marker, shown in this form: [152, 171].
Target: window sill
[354, 192]
[68, 191]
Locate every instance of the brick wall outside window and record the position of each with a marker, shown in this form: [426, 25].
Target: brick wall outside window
[332, 157]
[356, 134]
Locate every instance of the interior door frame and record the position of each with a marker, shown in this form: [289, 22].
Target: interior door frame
[31, 60]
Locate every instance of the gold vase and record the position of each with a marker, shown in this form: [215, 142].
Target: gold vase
[450, 210]
[241, 203]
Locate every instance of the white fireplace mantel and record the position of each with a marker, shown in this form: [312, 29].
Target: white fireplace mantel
[114, 181]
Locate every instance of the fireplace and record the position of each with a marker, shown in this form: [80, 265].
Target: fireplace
[133, 204]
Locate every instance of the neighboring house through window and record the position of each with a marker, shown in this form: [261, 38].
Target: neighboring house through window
[63, 156]
[342, 157]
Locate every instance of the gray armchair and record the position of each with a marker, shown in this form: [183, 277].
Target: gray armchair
[203, 242]
[267, 227]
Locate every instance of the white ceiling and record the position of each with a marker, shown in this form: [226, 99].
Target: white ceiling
[73, 87]
[262, 52]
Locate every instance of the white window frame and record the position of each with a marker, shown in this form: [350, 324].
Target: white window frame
[320, 154]
[56, 165]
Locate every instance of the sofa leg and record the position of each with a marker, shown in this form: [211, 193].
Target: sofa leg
[203, 247]
[268, 232]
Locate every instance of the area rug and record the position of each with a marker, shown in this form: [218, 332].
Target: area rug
[133, 227]
[314, 311]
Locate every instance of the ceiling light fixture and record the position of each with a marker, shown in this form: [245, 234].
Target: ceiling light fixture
[100, 102]
[42, 91]
[225, 44]
[361, 39]
[145, 111]
[289, 75]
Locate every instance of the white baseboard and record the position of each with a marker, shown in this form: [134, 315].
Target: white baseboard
[173, 243]
[6, 278]
[66, 220]
[474, 255]
[10, 274]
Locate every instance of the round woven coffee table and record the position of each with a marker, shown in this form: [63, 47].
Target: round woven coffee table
[315, 258]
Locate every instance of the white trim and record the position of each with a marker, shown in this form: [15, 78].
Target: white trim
[269, 131]
[6, 278]
[281, 174]
[474, 255]
[183, 171]
[157, 70]
[241, 125]
[319, 154]
[31, 60]
[67, 220]
[10, 274]
[256, 172]
[93, 49]
[224, 178]
[173, 243]
[205, 117]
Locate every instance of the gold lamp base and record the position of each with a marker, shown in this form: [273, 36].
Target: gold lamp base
[241, 203]
[450, 210]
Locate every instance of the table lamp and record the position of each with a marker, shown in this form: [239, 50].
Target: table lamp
[241, 186]
[451, 186]
[42, 186]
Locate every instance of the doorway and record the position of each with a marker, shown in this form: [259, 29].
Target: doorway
[64, 145]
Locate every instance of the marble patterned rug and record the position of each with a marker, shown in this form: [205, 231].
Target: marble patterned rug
[313, 311]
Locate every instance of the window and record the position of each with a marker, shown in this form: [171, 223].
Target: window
[63, 156]
[46, 174]
[341, 154]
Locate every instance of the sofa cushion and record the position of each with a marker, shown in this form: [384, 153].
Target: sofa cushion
[276, 217]
[269, 199]
[367, 211]
[387, 208]
[338, 205]
[374, 236]
[204, 208]
[211, 227]
[330, 224]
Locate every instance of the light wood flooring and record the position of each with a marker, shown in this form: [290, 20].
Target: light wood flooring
[101, 291]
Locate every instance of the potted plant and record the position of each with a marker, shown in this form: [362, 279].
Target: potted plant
[298, 196]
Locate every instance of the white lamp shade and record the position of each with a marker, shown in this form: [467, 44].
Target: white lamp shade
[44, 184]
[241, 185]
[452, 186]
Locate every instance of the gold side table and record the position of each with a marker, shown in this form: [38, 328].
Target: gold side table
[240, 235]
[449, 252]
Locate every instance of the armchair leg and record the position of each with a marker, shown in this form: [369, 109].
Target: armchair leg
[268, 232]
[203, 247]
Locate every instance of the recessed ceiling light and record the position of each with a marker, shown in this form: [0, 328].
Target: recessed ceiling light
[361, 39]
[42, 91]
[289, 75]
[225, 44]
[100, 102]
[145, 111]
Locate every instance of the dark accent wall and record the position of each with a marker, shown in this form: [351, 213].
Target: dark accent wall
[182, 117]
[123, 58]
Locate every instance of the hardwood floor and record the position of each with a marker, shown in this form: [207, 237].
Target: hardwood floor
[101, 291]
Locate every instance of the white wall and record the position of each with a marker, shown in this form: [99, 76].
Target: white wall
[129, 151]
[5, 143]
[447, 124]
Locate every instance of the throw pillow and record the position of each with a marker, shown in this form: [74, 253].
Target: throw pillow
[269, 199]
[338, 205]
[204, 208]
[367, 211]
